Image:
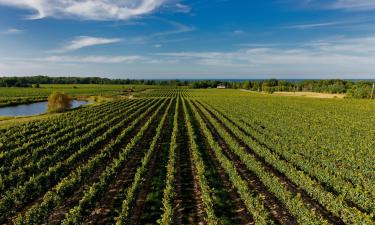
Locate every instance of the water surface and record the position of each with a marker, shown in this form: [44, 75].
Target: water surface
[32, 109]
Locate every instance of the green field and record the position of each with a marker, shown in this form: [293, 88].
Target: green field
[16, 95]
[183, 156]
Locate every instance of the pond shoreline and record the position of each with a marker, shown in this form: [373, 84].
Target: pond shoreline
[25, 101]
[34, 109]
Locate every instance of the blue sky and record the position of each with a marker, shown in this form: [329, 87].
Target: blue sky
[188, 38]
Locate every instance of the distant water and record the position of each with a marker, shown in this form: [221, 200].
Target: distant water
[32, 109]
[242, 80]
[293, 80]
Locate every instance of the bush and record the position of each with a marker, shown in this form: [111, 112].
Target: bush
[59, 102]
[360, 91]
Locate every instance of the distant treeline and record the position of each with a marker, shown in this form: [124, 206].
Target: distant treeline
[36, 80]
[356, 89]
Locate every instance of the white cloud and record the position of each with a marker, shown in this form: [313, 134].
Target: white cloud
[182, 8]
[86, 41]
[87, 9]
[12, 31]
[341, 57]
[157, 46]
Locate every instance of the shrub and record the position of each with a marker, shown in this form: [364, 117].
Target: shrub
[360, 91]
[59, 102]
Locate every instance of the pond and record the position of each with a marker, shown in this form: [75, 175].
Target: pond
[32, 109]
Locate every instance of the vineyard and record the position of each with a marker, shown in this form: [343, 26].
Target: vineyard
[181, 156]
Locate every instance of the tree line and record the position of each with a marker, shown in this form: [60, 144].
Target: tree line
[34, 81]
[356, 89]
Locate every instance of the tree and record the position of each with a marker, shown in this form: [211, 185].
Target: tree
[361, 90]
[246, 85]
[59, 102]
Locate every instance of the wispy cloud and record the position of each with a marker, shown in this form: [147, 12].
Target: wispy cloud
[90, 59]
[323, 56]
[350, 5]
[313, 25]
[178, 28]
[86, 41]
[353, 22]
[353, 4]
[163, 36]
[89, 9]
[182, 8]
[97, 59]
[12, 31]
[238, 32]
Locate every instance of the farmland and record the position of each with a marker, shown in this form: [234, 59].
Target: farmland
[183, 156]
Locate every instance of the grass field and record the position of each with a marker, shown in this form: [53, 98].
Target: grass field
[302, 94]
[310, 94]
[178, 156]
